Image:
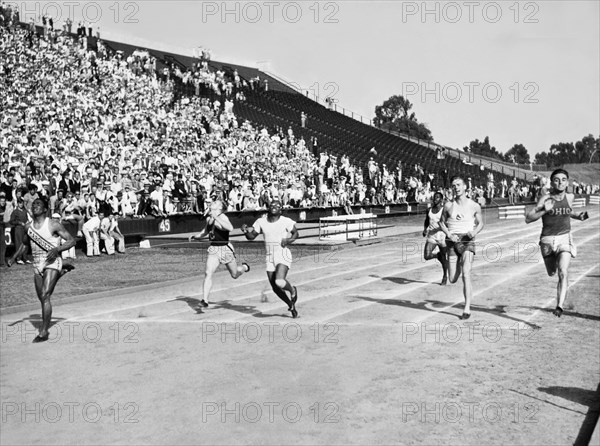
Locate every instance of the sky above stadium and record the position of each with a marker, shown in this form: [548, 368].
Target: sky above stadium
[518, 72]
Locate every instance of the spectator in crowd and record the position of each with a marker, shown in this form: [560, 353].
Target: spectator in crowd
[115, 233]
[91, 231]
[30, 197]
[18, 220]
[109, 241]
[97, 122]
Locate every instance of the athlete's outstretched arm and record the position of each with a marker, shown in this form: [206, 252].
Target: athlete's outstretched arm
[222, 222]
[250, 234]
[288, 241]
[478, 221]
[198, 236]
[426, 224]
[582, 216]
[59, 229]
[443, 219]
[544, 204]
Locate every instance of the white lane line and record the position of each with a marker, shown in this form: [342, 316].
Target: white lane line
[328, 317]
[352, 258]
[338, 290]
[553, 299]
[521, 271]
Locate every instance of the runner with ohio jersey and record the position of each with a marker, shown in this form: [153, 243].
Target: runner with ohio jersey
[555, 209]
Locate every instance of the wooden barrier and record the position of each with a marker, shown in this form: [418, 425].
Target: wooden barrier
[511, 212]
[594, 199]
[578, 203]
[348, 227]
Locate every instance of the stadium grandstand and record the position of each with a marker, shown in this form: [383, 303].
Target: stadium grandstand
[146, 134]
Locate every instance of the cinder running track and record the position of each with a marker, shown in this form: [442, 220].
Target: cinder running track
[377, 355]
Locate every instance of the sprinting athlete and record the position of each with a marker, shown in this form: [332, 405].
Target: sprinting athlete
[44, 236]
[435, 235]
[279, 232]
[556, 242]
[461, 221]
[220, 250]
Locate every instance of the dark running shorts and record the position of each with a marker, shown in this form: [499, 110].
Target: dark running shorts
[465, 243]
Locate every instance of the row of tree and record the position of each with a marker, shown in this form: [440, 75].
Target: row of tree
[583, 151]
[395, 115]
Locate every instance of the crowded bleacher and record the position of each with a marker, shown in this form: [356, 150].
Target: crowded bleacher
[97, 130]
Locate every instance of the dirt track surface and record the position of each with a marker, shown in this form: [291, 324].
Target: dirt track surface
[378, 354]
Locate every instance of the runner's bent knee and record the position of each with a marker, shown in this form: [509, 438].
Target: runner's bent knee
[281, 283]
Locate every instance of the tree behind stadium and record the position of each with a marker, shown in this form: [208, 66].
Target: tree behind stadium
[585, 151]
[394, 114]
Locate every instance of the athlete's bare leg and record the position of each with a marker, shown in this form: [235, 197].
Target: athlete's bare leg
[551, 264]
[466, 262]
[212, 263]
[454, 268]
[44, 286]
[235, 270]
[442, 257]
[428, 251]
[279, 291]
[564, 259]
[281, 281]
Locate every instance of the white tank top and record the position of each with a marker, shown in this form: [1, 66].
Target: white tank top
[460, 223]
[434, 219]
[42, 241]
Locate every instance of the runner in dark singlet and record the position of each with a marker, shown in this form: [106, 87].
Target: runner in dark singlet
[220, 250]
[556, 243]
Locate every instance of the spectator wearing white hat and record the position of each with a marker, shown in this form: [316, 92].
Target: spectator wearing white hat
[128, 202]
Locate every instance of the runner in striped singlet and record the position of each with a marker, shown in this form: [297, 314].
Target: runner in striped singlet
[556, 243]
[43, 235]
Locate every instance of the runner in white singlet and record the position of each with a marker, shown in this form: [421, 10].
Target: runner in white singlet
[435, 235]
[279, 232]
[461, 221]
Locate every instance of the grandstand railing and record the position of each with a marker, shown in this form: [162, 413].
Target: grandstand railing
[519, 171]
